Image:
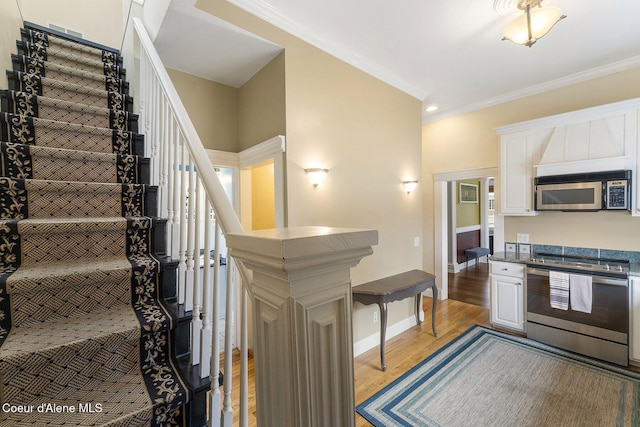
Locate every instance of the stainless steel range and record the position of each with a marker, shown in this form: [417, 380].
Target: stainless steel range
[580, 304]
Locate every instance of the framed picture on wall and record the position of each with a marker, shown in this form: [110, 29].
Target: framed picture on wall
[468, 193]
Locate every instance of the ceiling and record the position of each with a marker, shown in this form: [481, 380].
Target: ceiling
[443, 52]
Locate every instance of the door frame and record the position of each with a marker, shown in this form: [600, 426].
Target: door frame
[441, 212]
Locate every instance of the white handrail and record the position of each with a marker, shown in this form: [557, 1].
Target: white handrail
[189, 191]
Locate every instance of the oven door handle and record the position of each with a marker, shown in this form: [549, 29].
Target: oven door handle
[599, 280]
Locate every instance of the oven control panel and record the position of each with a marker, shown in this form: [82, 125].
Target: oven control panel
[617, 194]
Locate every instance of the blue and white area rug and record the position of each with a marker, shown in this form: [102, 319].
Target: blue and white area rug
[487, 378]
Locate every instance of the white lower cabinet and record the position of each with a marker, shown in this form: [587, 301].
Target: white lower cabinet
[634, 319]
[508, 295]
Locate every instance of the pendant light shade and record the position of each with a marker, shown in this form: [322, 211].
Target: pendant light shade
[532, 25]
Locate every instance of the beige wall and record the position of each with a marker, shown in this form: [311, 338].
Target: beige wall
[213, 108]
[368, 134]
[10, 23]
[261, 105]
[469, 141]
[101, 21]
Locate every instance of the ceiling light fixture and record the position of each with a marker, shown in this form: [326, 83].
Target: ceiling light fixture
[534, 24]
[431, 108]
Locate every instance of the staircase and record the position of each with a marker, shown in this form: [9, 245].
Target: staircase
[90, 329]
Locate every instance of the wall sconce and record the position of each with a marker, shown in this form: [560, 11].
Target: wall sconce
[533, 24]
[316, 175]
[409, 186]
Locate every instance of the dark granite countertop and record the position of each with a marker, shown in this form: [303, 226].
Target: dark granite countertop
[634, 268]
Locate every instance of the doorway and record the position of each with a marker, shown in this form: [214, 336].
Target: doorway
[267, 161]
[441, 219]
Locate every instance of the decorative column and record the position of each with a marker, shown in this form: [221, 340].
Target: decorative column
[303, 341]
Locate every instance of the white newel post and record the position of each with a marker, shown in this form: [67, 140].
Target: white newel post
[303, 341]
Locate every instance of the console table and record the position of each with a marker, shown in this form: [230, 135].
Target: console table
[394, 288]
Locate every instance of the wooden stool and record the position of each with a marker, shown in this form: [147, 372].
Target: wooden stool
[395, 288]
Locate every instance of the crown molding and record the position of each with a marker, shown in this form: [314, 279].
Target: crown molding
[265, 12]
[614, 67]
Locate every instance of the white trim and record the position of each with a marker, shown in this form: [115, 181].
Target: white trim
[583, 76]
[373, 340]
[223, 158]
[466, 174]
[264, 151]
[468, 228]
[576, 116]
[265, 12]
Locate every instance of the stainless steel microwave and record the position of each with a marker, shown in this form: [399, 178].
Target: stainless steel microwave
[584, 192]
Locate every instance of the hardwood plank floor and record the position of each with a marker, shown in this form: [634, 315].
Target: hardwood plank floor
[471, 285]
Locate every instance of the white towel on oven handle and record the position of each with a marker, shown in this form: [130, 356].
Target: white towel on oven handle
[559, 290]
[581, 292]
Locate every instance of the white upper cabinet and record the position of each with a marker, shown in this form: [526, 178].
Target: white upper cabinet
[516, 174]
[594, 139]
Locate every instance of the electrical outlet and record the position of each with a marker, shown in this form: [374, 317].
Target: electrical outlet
[523, 238]
[416, 242]
[375, 316]
[510, 247]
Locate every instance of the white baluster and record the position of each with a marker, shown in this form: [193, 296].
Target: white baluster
[196, 322]
[207, 297]
[191, 232]
[172, 170]
[227, 408]
[175, 236]
[214, 363]
[244, 360]
[182, 259]
[164, 163]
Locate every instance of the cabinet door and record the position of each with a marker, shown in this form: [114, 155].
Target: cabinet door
[516, 174]
[634, 319]
[507, 302]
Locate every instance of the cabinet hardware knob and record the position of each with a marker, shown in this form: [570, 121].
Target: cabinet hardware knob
[505, 269]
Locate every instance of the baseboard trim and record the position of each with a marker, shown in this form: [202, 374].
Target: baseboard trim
[373, 340]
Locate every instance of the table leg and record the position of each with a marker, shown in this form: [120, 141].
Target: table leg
[418, 307]
[383, 333]
[434, 289]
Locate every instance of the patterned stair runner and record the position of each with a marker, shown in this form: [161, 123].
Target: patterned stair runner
[85, 335]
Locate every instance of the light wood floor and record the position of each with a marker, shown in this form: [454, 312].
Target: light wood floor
[402, 352]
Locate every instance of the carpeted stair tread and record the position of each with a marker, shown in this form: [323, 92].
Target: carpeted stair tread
[42, 38]
[101, 369]
[31, 130]
[64, 57]
[57, 276]
[57, 164]
[51, 88]
[109, 79]
[31, 198]
[68, 240]
[24, 104]
[27, 341]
